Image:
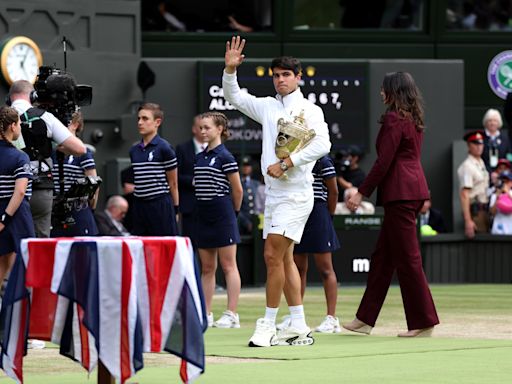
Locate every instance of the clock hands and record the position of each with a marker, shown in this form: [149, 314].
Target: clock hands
[22, 63]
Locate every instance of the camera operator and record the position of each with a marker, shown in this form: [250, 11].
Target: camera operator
[347, 169]
[75, 168]
[39, 129]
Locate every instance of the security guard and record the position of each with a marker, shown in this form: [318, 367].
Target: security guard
[474, 181]
[249, 203]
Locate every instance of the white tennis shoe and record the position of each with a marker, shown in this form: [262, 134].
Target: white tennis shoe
[330, 324]
[264, 335]
[228, 320]
[295, 337]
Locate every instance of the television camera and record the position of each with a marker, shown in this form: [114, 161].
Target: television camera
[59, 94]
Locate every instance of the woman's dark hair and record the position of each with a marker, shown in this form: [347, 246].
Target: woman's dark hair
[404, 97]
[8, 115]
[219, 119]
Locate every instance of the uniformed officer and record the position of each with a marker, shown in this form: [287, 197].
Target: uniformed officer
[156, 199]
[474, 181]
[75, 167]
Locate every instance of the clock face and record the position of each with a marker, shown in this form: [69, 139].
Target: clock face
[20, 59]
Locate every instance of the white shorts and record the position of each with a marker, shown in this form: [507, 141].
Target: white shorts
[286, 213]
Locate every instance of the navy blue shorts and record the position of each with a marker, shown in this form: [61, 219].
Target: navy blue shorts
[319, 235]
[20, 227]
[154, 217]
[85, 225]
[216, 224]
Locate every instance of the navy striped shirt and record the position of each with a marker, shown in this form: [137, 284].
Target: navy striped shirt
[210, 173]
[150, 164]
[74, 169]
[15, 164]
[323, 170]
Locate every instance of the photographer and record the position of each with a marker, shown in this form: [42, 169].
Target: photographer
[75, 168]
[39, 129]
[347, 169]
[501, 206]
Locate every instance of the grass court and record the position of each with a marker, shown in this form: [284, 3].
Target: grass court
[473, 344]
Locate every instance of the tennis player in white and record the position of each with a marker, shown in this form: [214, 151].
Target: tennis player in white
[289, 199]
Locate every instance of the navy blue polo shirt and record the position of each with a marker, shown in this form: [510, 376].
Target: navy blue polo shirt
[150, 164]
[74, 169]
[210, 173]
[323, 170]
[15, 164]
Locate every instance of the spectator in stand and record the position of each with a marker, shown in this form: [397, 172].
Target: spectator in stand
[349, 173]
[496, 145]
[501, 206]
[365, 208]
[110, 220]
[431, 217]
[503, 165]
[128, 185]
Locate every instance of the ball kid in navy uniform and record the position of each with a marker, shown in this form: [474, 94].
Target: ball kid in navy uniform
[15, 189]
[219, 196]
[154, 163]
[320, 239]
[76, 167]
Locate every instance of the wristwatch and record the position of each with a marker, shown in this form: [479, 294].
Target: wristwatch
[5, 218]
[283, 165]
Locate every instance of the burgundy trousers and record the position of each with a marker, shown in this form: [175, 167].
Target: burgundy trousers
[398, 249]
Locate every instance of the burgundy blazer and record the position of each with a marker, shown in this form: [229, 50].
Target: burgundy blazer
[397, 173]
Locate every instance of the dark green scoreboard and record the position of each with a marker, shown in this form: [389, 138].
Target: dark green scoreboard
[340, 89]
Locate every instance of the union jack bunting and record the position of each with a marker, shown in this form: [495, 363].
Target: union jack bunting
[105, 298]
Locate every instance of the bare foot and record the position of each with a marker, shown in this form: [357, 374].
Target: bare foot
[358, 326]
[424, 332]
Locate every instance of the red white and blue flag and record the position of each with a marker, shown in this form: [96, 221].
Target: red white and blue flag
[106, 298]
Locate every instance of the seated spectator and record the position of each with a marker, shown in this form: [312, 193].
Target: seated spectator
[366, 208]
[109, 221]
[431, 217]
[496, 145]
[347, 169]
[128, 185]
[501, 206]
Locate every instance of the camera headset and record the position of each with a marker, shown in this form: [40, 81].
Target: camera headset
[32, 96]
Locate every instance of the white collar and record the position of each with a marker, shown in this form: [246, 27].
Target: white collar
[291, 98]
[21, 105]
[497, 134]
[198, 145]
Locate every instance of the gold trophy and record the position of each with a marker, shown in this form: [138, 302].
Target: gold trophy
[293, 136]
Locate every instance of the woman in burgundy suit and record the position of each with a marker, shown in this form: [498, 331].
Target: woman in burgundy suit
[401, 189]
